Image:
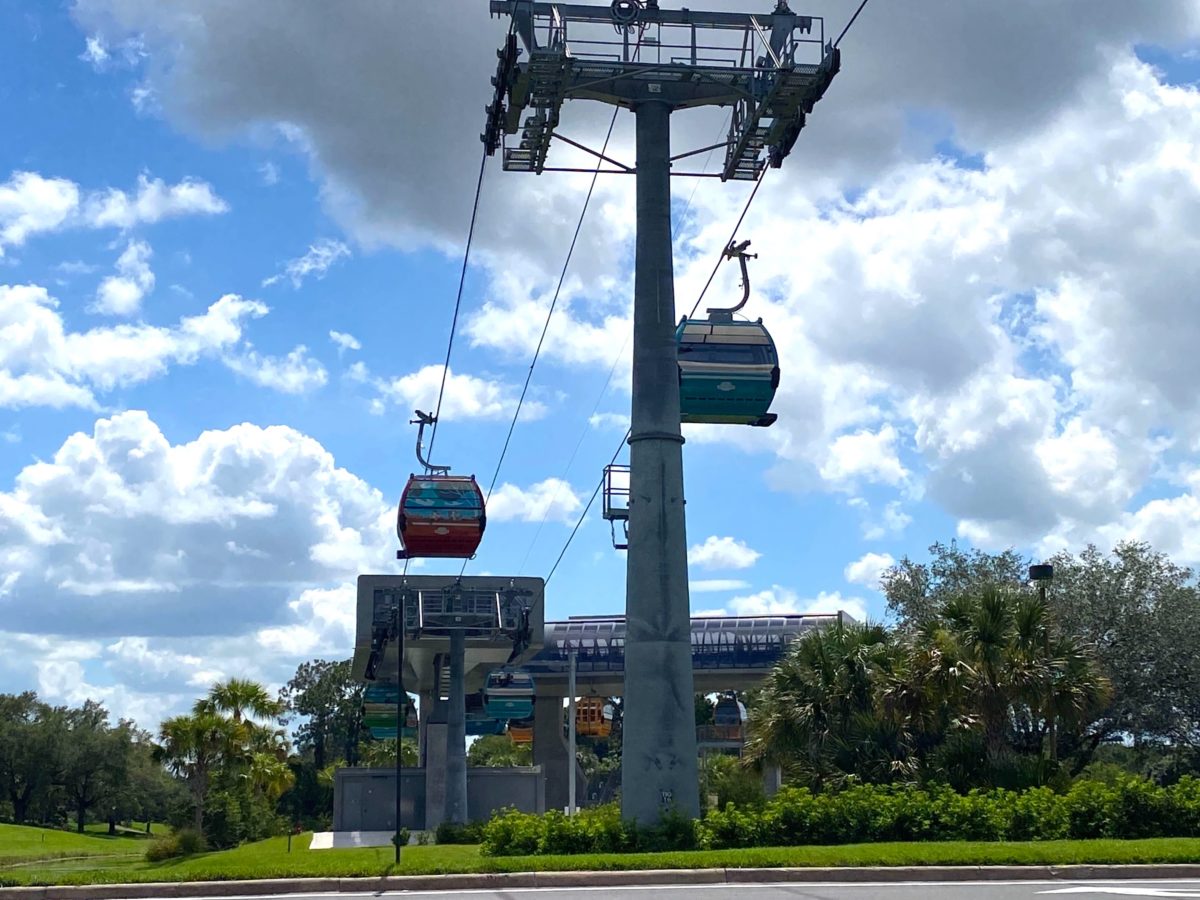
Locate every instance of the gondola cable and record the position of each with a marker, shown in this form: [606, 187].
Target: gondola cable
[462, 277]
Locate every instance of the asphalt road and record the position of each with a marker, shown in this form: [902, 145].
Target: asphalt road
[1026, 890]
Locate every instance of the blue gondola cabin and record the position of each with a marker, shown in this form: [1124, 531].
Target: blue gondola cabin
[728, 371]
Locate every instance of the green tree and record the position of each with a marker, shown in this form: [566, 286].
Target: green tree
[916, 592]
[96, 761]
[382, 754]
[817, 714]
[329, 699]
[498, 751]
[240, 699]
[31, 751]
[194, 748]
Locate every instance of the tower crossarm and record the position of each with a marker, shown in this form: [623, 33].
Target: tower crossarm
[771, 68]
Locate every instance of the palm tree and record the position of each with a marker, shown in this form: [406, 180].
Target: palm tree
[239, 697]
[818, 714]
[194, 748]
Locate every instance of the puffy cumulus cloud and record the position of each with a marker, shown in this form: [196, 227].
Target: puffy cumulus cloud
[122, 533]
[30, 204]
[315, 263]
[121, 294]
[609, 421]
[43, 364]
[1018, 334]
[722, 553]
[778, 601]
[467, 396]
[550, 500]
[296, 373]
[865, 456]
[153, 201]
[868, 569]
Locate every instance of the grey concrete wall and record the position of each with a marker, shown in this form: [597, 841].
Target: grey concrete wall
[489, 790]
[365, 799]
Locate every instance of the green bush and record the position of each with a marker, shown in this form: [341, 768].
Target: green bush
[457, 833]
[183, 842]
[1129, 807]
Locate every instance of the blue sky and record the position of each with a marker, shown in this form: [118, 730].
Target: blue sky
[969, 351]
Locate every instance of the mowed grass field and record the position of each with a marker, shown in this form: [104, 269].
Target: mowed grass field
[117, 860]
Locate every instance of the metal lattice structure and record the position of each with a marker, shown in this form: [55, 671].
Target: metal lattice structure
[771, 69]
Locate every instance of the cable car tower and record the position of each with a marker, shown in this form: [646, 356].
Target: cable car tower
[770, 69]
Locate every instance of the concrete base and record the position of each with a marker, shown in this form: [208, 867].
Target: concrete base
[341, 840]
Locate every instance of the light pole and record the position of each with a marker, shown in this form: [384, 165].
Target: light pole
[1041, 575]
[401, 697]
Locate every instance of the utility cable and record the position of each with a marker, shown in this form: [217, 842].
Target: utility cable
[851, 22]
[562, 277]
[732, 237]
[462, 277]
[583, 515]
[603, 391]
[553, 303]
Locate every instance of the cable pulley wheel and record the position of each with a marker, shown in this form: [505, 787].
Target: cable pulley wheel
[626, 12]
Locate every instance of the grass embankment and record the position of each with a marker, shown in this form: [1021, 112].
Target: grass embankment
[22, 847]
[270, 859]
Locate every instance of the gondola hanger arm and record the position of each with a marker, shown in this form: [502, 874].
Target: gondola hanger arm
[738, 251]
[422, 420]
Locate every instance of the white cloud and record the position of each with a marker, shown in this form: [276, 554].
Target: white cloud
[95, 52]
[467, 396]
[154, 201]
[865, 455]
[722, 553]
[269, 173]
[609, 421]
[125, 534]
[344, 341]
[716, 585]
[316, 262]
[553, 500]
[43, 364]
[779, 601]
[121, 294]
[30, 204]
[296, 373]
[868, 569]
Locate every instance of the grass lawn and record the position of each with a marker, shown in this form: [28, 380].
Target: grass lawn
[270, 859]
[20, 844]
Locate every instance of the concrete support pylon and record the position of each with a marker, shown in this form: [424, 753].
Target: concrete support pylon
[658, 765]
[456, 732]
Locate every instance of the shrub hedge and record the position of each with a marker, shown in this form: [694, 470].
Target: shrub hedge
[1129, 808]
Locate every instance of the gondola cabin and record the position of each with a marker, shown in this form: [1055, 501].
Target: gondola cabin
[379, 711]
[593, 717]
[478, 721]
[729, 717]
[440, 516]
[728, 371]
[508, 695]
[521, 731]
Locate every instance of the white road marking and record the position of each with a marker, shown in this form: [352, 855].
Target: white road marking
[1124, 891]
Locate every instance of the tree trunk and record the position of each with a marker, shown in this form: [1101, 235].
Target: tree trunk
[80, 815]
[112, 825]
[20, 805]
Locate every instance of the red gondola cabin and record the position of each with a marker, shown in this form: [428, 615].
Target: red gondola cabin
[441, 516]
